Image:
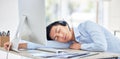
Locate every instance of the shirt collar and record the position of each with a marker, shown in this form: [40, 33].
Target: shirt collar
[76, 33]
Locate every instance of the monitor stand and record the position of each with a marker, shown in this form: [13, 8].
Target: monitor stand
[17, 38]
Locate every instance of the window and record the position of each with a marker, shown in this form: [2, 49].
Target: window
[75, 10]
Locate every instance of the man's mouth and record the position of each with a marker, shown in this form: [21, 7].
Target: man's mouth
[65, 37]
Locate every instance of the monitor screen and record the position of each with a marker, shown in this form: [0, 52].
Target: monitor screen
[32, 17]
[32, 13]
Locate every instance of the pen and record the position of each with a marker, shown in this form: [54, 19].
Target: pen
[77, 55]
[109, 58]
[3, 33]
[8, 33]
[8, 49]
[91, 54]
[0, 34]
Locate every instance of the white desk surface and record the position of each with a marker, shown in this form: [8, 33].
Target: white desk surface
[100, 55]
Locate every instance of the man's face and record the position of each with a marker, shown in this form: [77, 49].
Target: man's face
[61, 33]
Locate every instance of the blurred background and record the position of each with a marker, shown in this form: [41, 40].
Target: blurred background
[104, 12]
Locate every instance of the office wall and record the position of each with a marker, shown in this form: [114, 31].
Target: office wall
[114, 15]
[9, 15]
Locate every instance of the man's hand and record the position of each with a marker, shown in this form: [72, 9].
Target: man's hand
[7, 45]
[75, 45]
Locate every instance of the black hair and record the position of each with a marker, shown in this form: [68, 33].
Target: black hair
[48, 29]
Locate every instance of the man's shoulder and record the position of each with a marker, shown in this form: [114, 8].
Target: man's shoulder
[88, 22]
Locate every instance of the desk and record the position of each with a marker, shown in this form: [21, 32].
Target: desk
[25, 55]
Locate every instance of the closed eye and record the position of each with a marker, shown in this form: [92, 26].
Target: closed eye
[58, 30]
[56, 33]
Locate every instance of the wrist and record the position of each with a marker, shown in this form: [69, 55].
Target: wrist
[22, 46]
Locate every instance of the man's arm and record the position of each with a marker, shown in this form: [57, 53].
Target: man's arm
[75, 45]
[98, 37]
[22, 46]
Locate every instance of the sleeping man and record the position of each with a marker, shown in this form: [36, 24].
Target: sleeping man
[87, 36]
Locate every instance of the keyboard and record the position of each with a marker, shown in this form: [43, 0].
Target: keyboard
[53, 50]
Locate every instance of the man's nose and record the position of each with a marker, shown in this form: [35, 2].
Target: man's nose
[60, 35]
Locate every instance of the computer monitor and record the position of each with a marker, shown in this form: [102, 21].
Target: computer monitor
[31, 13]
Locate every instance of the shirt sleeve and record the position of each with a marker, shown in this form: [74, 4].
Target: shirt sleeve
[31, 45]
[99, 42]
[50, 44]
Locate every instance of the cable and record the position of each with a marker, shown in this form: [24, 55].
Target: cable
[7, 55]
[8, 49]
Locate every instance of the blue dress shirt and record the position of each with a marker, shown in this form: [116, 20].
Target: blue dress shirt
[91, 36]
